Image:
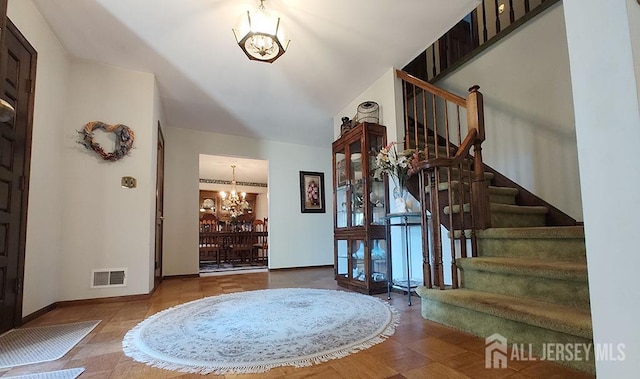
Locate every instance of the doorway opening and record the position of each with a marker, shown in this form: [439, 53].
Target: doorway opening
[233, 205]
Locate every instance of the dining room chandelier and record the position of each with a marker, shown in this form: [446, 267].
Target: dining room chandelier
[261, 36]
[234, 202]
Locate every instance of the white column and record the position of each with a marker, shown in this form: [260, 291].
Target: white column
[607, 114]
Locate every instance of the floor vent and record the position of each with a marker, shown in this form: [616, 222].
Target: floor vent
[108, 278]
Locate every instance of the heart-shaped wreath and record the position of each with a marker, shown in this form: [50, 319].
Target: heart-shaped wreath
[124, 139]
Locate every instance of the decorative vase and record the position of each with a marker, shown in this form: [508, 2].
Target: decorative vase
[359, 254]
[377, 252]
[400, 199]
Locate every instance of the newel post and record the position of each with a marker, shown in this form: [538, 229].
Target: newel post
[480, 193]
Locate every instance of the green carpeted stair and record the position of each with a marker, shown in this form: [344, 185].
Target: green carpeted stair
[528, 283]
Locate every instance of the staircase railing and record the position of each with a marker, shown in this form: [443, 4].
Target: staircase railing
[451, 181]
[491, 21]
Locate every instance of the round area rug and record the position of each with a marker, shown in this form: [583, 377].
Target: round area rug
[252, 332]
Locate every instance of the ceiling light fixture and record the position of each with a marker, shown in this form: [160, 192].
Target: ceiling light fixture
[235, 203]
[260, 35]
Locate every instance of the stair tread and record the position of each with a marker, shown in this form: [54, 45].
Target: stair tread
[492, 189]
[566, 270]
[533, 232]
[503, 208]
[561, 318]
[503, 190]
[509, 208]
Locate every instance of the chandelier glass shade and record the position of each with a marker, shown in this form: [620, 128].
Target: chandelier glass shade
[261, 36]
[234, 203]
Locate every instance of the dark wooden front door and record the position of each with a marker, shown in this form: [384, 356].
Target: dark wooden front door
[159, 208]
[19, 60]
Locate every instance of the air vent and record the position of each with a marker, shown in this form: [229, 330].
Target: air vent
[108, 278]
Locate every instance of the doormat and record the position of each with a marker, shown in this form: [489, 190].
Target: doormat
[71, 373]
[25, 346]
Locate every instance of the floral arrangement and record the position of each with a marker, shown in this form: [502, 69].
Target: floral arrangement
[395, 164]
[312, 193]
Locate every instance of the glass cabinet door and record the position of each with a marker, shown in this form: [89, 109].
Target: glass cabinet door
[342, 258]
[357, 184]
[377, 188]
[358, 252]
[379, 268]
[341, 190]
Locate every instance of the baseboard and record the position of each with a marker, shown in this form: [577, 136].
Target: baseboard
[103, 300]
[299, 268]
[186, 276]
[38, 313]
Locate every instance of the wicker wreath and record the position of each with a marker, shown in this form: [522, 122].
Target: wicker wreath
[124, 139]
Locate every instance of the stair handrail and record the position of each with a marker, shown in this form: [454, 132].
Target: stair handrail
[429, 169]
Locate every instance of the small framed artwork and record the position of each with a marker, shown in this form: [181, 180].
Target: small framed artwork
[312, 192]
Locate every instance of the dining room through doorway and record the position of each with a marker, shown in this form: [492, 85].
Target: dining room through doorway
[233, 205]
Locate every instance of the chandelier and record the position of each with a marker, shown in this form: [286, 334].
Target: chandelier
[261, 36]
[234, 203]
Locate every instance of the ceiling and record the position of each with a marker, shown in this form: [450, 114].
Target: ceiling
[247, 170]
[338, 49]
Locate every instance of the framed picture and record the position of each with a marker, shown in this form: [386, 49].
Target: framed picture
[312, 192]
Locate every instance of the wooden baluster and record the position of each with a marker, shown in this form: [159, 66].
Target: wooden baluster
[406, 108]
[454, 269]
[527, 6]
[485, 33]
[497, 16]
[435, 125]
[475, 28]
[475, 119]
[415, 119]
[461, 189]
[425, 226]
[436, 240]
[512, 14]
[425, 131]
[433, 61]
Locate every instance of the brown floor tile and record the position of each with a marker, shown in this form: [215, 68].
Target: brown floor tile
[549, 370]
[436, 349]
[473, 366]
[434, 370]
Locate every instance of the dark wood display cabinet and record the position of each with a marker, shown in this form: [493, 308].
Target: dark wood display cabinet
[359, 206]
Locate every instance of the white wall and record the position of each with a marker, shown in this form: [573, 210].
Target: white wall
[295, 239]
[633, 9]
[44, 220]
[529, 119]
[105, 225]
[605, 95]
[387, 92]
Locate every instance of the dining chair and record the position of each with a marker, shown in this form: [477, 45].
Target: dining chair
[260, 250]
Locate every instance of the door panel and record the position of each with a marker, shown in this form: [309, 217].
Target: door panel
[19, 60]
[159, 208]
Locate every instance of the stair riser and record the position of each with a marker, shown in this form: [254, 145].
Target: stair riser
[548, 249]
[516, 220]
[501, 199]
[455, 175]
[558, 291]
[483, 325]
[498, 198]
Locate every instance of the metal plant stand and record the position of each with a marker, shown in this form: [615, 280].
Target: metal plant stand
[405, 219]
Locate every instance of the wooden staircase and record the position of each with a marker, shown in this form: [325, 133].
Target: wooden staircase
[518, 264]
